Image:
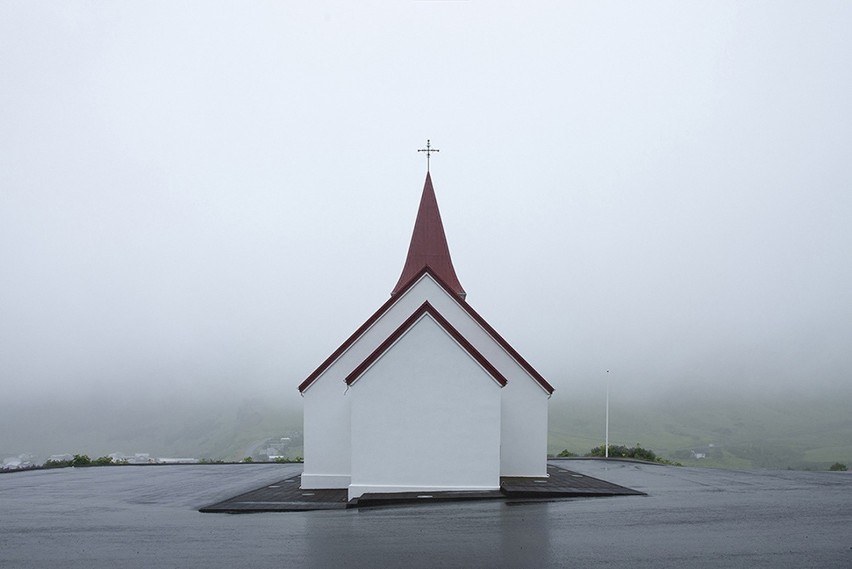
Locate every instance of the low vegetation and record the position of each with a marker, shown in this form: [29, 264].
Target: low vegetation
[288, 460]
[83, 460]
[619, 451]
[637, 452]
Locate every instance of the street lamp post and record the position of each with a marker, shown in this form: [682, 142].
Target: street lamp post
[606, 436]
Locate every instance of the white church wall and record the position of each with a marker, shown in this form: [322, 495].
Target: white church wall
[327, 414]
[477, 335]
[525, 403]
[326, 410]
[425, 416]
[524, 428]
[326, 432]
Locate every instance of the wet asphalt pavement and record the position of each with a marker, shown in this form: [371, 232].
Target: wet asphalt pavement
[147, 517]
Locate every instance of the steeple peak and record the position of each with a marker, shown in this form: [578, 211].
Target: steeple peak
[428, 246]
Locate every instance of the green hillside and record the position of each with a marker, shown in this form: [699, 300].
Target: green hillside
[797, 433]
[730, 432]
[222, 430]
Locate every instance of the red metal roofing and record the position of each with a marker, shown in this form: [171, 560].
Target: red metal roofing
[392, 300]
[425, 308]
[428, 246]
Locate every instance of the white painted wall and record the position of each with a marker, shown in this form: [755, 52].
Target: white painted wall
[525, 403]
[524, 427]
[426, 416]
[327, 424]
[326, 435]
[326, 411]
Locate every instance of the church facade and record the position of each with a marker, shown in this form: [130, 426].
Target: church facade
[425, 395]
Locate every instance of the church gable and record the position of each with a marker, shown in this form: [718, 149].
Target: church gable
[426, 310]
[423, 407]
[423, 286]
[362, 331]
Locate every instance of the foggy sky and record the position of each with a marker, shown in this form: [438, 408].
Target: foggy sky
[210, 197]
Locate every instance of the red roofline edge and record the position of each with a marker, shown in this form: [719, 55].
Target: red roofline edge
[425, 308]
[393, 299]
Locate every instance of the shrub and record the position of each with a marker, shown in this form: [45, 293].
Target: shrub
[81, 460]
[637, 452]
[565, 453]
[838, 467]
[620, 451]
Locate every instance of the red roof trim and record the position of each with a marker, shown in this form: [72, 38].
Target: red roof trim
[390, 302]
[493, 333]
[506, 346]
[355, 335]
[424, 309]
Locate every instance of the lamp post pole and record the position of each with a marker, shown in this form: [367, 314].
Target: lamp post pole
[606, 436]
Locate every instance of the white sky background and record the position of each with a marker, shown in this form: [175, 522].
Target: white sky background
[210, 197]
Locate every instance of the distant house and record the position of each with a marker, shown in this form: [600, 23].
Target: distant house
[61, 457]
[425, 394]
[19, 462]
[140, 458]
[277, 449]
[12, 463]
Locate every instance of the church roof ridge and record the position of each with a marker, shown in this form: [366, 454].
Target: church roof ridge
[428, 247]
[526, 366]
[426, 308]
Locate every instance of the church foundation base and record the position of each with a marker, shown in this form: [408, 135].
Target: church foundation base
[286, 496]
[358, 490]
[325, 481]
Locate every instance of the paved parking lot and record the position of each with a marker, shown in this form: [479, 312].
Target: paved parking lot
[147, 517]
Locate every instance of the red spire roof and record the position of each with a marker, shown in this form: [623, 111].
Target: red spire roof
[428, 246]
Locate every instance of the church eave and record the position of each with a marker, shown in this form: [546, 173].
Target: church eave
[357, 334]
[530, 370]
[527, 367]
[426, 308]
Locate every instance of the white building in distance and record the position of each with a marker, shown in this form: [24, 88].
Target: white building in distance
[425, 395]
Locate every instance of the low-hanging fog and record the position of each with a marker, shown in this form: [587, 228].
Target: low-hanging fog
[199, 202]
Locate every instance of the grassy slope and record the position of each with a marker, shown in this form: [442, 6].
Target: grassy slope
[173, 428]
[746, 433]
[794, 433]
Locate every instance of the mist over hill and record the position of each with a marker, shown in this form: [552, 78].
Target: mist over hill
[746, 429]
[170, 424]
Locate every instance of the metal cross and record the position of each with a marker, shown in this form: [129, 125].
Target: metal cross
[428, 150]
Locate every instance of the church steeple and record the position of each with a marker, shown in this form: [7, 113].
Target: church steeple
[428, 246]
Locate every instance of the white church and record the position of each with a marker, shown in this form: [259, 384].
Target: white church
[425, 395]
